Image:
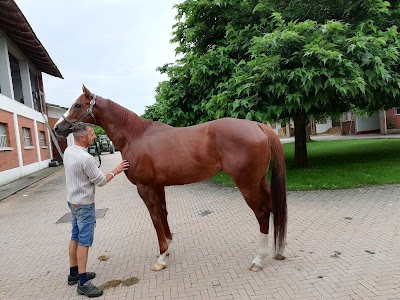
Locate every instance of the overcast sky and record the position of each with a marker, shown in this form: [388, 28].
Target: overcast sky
[113, 47]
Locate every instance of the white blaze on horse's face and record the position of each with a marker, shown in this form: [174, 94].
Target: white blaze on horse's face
[65, 115]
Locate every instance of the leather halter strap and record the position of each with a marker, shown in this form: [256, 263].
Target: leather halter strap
[88, 112]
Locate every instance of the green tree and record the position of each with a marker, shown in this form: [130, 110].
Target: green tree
[241, 59]
[98, 130]
[207, 57]
[349, 11]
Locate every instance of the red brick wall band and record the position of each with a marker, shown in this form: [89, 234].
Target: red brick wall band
[390, 115]
[44, 152]
[29, 156]
[8, 158]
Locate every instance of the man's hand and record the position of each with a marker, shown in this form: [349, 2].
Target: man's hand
[123, 166]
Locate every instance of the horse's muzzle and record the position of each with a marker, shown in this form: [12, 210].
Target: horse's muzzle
[62, 131]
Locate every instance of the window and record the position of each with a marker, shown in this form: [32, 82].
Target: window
[3, 136]
[42, 139]
[397, 110]
[26, 132]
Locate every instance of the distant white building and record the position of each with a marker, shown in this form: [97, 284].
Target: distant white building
[286, 129]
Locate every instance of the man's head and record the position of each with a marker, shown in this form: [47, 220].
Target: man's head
[84, 134]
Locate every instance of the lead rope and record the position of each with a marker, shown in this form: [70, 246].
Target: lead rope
[53, 137]
[98, 153]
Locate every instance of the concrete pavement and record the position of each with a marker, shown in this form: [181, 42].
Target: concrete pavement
[17, 185]
[342, 244]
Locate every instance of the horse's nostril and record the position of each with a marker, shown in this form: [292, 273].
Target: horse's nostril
[56, 128]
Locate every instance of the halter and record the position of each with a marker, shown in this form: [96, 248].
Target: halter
[88, 112]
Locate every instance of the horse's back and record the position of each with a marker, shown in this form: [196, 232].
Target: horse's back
[238, 131]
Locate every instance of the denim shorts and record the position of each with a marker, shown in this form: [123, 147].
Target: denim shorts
[83, 220]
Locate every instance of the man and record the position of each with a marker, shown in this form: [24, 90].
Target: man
[82, 175]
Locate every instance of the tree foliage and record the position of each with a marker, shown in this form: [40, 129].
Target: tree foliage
[98, 130]
[270, 60]
[353, 12]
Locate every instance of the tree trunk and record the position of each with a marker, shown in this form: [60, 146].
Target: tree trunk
[300, 139]
[288, 129]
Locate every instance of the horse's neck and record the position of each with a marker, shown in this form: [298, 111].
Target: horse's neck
[120, 124]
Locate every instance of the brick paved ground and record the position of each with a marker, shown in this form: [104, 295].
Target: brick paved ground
[342, 244]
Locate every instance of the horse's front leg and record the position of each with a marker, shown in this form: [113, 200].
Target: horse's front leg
[164, 216]
[154, 206]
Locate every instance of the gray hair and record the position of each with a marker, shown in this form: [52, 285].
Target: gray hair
[80, 128]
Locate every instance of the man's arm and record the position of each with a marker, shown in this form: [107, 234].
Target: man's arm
[97, 177]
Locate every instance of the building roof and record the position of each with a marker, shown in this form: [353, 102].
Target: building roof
[56, 106]
[14, 24]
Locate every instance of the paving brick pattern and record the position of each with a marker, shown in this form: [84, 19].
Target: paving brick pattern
[341, 244]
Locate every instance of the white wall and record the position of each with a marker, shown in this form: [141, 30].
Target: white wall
[17, 108]
[55, 112]
[368, 124]
[320, 128]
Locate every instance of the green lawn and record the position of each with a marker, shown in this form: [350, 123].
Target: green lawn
[341, 164]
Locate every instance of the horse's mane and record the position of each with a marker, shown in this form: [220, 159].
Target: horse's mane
[126, 118]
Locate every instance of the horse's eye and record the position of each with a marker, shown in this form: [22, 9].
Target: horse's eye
[77, 106]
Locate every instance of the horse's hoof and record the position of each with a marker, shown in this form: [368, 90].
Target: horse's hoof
[158, 267]
[255, 268]
[279, 257]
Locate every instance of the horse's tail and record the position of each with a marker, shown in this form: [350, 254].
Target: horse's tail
[278, 188]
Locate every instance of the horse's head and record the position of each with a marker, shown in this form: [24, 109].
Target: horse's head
[80, 111]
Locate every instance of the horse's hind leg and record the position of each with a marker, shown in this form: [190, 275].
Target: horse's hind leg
[151, 198]
[258, 198]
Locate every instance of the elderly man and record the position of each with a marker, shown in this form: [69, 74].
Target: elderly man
[82, 175]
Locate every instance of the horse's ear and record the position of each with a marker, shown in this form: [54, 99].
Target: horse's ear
[87, 93]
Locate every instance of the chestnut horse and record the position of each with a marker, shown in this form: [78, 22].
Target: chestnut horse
[160, 155]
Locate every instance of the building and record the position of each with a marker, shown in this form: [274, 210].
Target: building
[286, 129]
[54, 113]
[382, 121]
[25, 145]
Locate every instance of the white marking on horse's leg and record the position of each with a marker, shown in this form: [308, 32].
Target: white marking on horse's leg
[166, 252]
[262, 252]
[161, 259]
[168, 243]
[161, 263]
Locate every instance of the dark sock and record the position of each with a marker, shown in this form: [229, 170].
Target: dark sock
[82, 278]
[73, 271]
